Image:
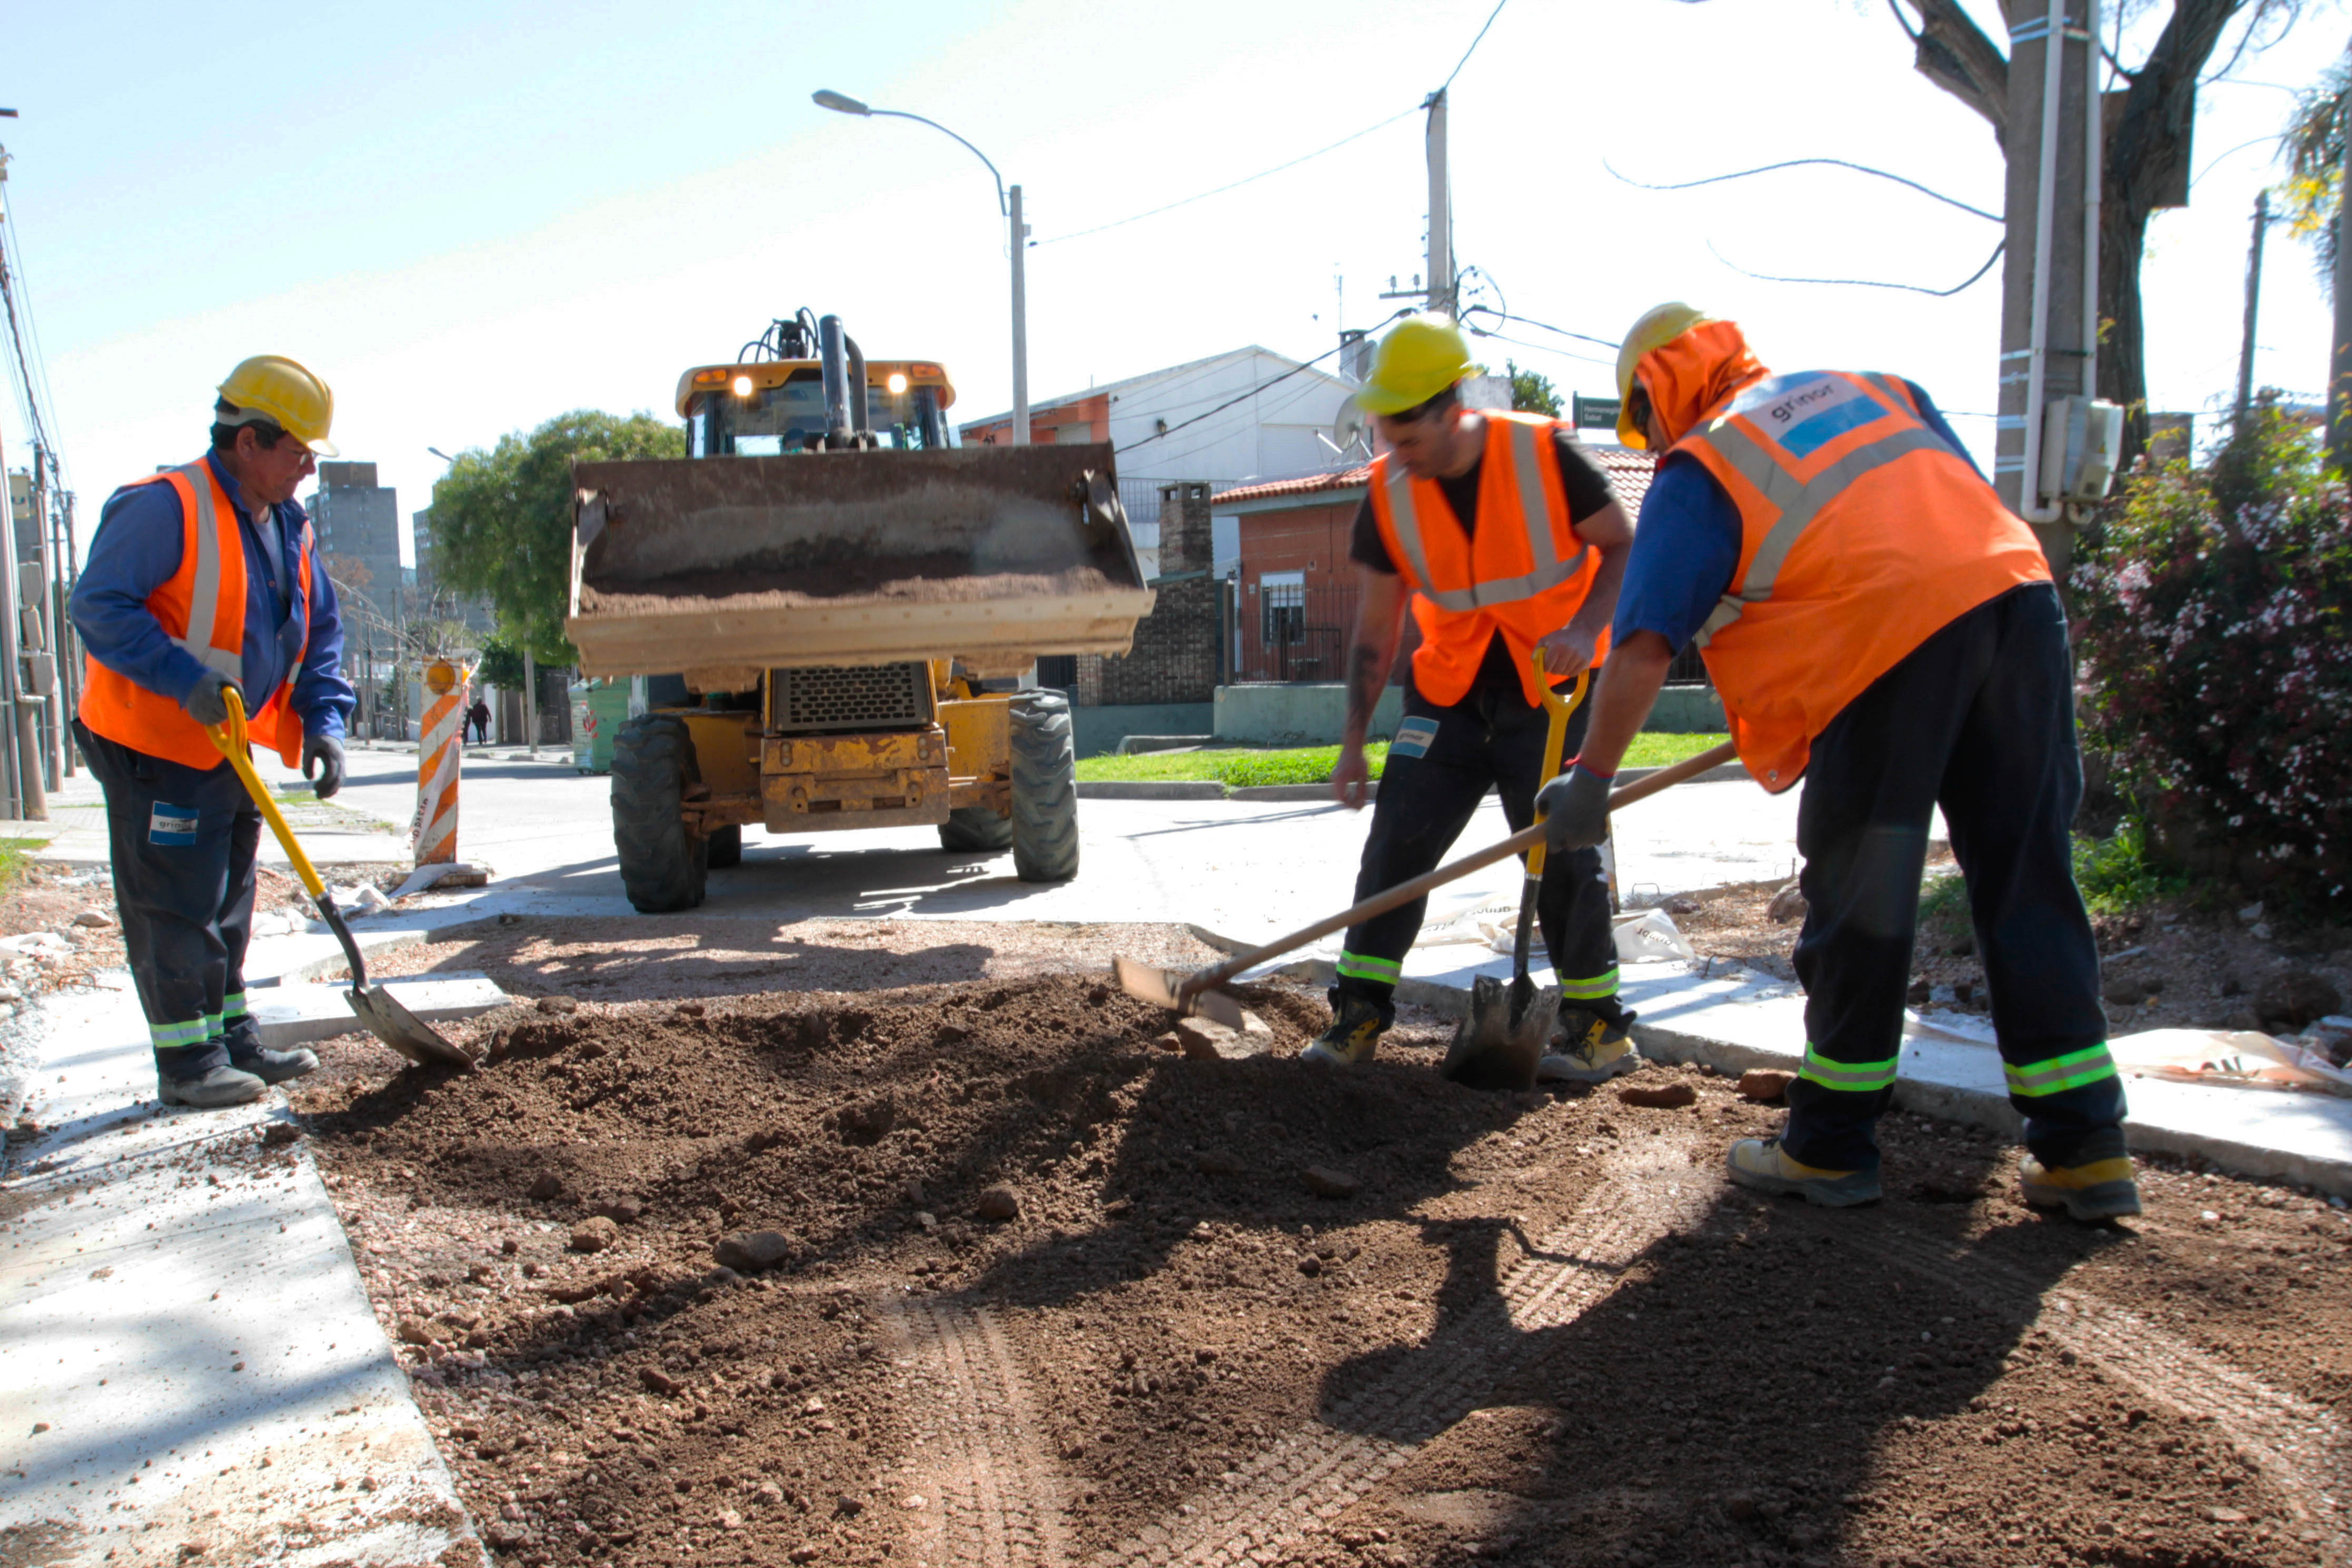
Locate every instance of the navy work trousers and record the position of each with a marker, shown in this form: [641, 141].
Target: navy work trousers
[184, 843]
[1491, 739]
[1980, 720]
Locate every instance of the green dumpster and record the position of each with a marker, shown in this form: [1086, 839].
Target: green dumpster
[599, 709]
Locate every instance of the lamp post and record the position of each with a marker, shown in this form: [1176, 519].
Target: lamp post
[1007, 203]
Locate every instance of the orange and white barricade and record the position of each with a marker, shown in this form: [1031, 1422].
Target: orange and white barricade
[439, 754]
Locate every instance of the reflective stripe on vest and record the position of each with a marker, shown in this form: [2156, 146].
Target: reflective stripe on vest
[1799, 503]
[1535, 508]
[204, 601]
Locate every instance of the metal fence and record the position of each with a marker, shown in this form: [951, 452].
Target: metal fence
[1293, 631]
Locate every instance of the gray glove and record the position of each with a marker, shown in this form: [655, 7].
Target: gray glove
[327, 752]
[1574, 810]
[203, 701]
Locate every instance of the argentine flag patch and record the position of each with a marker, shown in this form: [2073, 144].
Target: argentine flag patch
[172, 826]
[1413, 737]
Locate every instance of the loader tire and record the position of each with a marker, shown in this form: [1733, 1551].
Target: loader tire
[1044, 789]
[663, 865]
[727, 846]
[976, 831]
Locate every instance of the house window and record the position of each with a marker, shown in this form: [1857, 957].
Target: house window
[1281, 607]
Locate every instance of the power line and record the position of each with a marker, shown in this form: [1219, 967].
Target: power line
[1473, 44]
[1542, 348]
[1253, 392]
[1799, 163]
[1221, 190]
[1864, 282]
[1609, 344]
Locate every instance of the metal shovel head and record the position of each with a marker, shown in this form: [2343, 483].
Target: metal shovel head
[1162, 988]
[404, 1031]
[1499, 1044]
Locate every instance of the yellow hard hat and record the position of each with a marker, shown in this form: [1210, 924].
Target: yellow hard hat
[1657, 328]
[1422, 357]
[290, 396]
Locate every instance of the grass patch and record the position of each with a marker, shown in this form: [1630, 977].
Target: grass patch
[1237, 767]
[16, 853]
[2115, 874]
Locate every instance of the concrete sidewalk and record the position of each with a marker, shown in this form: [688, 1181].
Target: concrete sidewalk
[189, 1366]
[1734, 1018]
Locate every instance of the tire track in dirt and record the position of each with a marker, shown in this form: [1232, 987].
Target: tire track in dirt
[1313, 1472]
[992, 1491]
[2300, 1446]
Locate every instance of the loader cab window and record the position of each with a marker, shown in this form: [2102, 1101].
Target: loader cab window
[779, 419]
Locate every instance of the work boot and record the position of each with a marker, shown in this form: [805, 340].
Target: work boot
[1355, 1033]
[1761, 1163]
[1587, 1048]
[2096, 1190]
[214, 1090]
[268, 1066]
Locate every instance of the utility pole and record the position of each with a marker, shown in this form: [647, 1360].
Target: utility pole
[530, 699]
[2049, 328]
[1441, 210]
[2254, 302]
[42, 603]
[61, 621]
[2339, 365]
[1020, 332]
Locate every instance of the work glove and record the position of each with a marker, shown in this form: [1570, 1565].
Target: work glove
[327, 752]
[205, 702]
[1574, 810]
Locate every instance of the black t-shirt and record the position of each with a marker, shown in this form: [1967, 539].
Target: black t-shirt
[1580, 477]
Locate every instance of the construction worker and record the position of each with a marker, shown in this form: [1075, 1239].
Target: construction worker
[1880, 625]
[1504, 537]
[201, 580]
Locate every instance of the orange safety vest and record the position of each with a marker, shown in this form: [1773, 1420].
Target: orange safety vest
[202, 608]
[1862, 535]
[1525, 574]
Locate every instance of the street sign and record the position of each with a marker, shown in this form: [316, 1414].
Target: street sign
[1594, 412]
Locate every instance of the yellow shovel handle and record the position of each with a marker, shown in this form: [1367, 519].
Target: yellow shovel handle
[1555, 738]
[229, 737]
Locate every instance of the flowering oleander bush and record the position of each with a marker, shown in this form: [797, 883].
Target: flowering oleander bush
[2216, 615]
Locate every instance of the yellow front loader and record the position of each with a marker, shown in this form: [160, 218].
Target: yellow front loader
[839, 612]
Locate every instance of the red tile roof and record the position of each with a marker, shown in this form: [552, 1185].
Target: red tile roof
[1628, 470]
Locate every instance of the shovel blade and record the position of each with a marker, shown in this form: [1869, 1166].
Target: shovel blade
[1165, 988]
[1498, 1046]
[404, 1031]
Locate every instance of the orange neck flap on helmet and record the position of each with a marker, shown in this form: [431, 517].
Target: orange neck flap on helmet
[1696, 372]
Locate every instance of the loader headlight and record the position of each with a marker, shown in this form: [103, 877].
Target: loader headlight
[897, 382]
[742, 387]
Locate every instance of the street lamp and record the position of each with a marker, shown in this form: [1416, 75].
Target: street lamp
[1009, 205]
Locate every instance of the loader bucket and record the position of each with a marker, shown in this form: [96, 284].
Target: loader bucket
[995, 554]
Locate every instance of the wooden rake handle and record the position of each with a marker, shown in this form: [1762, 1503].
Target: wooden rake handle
[1380, 903]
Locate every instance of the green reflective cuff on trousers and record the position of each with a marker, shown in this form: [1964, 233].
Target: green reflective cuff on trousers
[1854, 1078]
[1600, 987]
[232, 1007]
[174, 1037]
[2060, 1074]
[1363, 967]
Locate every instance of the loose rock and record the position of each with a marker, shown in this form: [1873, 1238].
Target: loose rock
[594, 1234]
[748, 1251]
[998, 1204]
[659, 1381]
[1659, 1097]
[1206, 1040]
[1326, 1182]
[1787, 904]
[1765, 1085]
[620, 1210]
[2124, 991]
[95, 920]
[2295, 997]
[548, 1186]
[557, 1004]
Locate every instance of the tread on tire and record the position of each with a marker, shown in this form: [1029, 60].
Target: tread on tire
[663, 865]
[1044, 789]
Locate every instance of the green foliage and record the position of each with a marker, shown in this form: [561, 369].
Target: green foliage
[1531, 392]
[15, 855]
[2215, 609]
[501, 664]
[501, 519]
[2313, 190]
[2120, 872]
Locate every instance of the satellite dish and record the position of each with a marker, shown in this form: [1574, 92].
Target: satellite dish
[1351, 432]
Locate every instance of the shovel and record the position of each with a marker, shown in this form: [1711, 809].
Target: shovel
[389, 1022]
[1499, 1044]
[1197, 993]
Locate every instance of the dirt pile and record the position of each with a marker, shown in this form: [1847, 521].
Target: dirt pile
[1018, 1286]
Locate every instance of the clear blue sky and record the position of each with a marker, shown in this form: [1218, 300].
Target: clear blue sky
[471, 217]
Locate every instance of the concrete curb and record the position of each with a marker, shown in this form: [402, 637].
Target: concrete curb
[1321, 791]
[1152, 789]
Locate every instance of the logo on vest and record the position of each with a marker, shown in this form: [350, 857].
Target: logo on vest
[1802, 414]
[174, 826]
